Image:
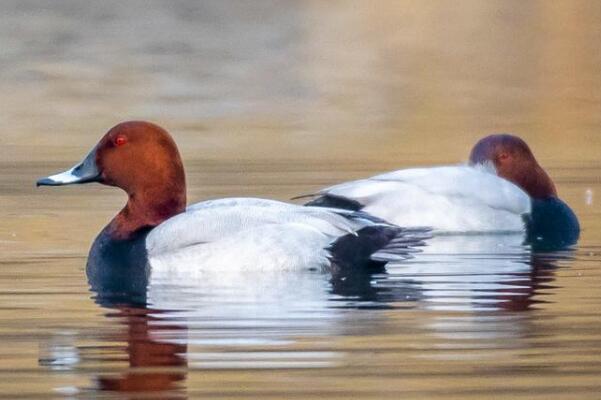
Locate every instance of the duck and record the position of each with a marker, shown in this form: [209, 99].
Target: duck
[157, 230]
[502, 189]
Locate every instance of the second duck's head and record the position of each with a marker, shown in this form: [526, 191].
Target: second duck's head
[514, 161]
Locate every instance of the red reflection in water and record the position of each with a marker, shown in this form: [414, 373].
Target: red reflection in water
[145, 350]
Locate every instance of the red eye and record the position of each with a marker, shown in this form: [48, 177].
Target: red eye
[120, 141]
[503, 156]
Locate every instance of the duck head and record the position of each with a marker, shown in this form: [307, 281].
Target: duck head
[514, 161]
[142, 159]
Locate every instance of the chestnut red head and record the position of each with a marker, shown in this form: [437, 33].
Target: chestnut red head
[139, 156]
[142, 159]
[514, 161]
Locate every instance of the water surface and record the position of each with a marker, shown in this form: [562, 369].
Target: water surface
[274, 99]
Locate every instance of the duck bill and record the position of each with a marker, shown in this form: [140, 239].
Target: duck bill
[84, 172]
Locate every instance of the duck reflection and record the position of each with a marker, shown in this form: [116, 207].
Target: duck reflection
[458, 273]
[157, 363]
[144, 350]
[469, 293]
[468, 287]
[522, 289]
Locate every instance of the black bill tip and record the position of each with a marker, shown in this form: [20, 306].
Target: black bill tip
[46, 182]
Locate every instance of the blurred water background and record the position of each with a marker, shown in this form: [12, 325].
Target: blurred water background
[274, 99]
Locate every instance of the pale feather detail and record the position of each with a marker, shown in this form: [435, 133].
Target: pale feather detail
[448, 198]
[242, 233]
[486, 166]
[286, 246]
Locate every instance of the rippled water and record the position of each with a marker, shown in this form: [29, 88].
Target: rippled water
[274, 99]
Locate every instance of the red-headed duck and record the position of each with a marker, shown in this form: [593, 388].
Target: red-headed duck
[155, 227]
[502, 189]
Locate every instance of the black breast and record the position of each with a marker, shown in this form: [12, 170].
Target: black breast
[118, 270]
[552, 225]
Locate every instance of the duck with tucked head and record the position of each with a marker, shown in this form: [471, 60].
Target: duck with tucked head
[155, 229]
[502, 189]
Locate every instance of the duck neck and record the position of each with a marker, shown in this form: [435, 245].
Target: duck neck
[146, 209]
[535, 181]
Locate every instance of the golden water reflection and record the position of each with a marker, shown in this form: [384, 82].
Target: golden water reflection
[274, 99]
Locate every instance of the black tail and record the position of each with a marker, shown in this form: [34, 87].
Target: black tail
[374, 246]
